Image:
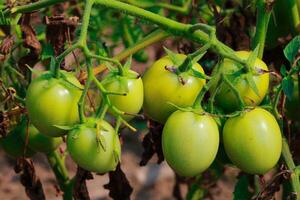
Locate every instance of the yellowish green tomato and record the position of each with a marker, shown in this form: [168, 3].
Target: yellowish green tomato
[190, 142]
[132, 102]
[162, 87]
[91, 152]
[226, 97]
[53, 101]
[253, 141]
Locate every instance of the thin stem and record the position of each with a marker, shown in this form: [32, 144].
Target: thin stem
[184, 9]
[204, 90]
[34, 6]
[85, 22]
[173, 27]
[81, 101]
[263, 17]
[234, 90]
[288, 159]
[61, 57]
[61, 173]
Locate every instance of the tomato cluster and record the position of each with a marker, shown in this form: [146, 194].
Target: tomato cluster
[168, 94]
[190, 139]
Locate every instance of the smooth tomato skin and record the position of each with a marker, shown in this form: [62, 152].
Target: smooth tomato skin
[162, 86]
[14, 145]
[190, 142]
[40, 142]
[51, 102]
[84, 150]
[226, 97]
[133, 101]
[253, 141]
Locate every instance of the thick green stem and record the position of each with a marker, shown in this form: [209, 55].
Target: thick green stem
[295, 15]
[61, 173]
[263, 17]
[85, 23]
[288, 159]
[173, 27]
[184, 9]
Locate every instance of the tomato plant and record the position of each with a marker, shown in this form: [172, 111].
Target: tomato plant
[162, 87]
[224, 94]
[52, 102]
[253, 141]
[183, 135]
[228, 99]
[94, 146]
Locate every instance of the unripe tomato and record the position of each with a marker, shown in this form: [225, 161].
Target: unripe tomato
[253, 141]
[132, 102]
[190, 142]
[39, 142]
[293, 105]
[87, 150]
[14, 145]
[226, 97]
[162, 86]
[53, 101]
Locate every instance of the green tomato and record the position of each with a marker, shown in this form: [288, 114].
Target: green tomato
[253, 141]
[14, 145]
[97, 154]
[190, 142]
[53, 101]
[292, 106]
[162, 87]
[39, 142]
[132, 102]
[226, 97]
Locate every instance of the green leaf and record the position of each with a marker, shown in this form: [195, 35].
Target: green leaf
[47, 51]
[70, 80]
[283, 70]
[250, 81]
[241, 191]
[3, 19]
[288, 87]
[253, 56]
[127, 65]
[197, 74]
[99, 136]
[198, 57]
[292, 49]
[116, 156]
[102, 141]
[124, 84]
[173, 57]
